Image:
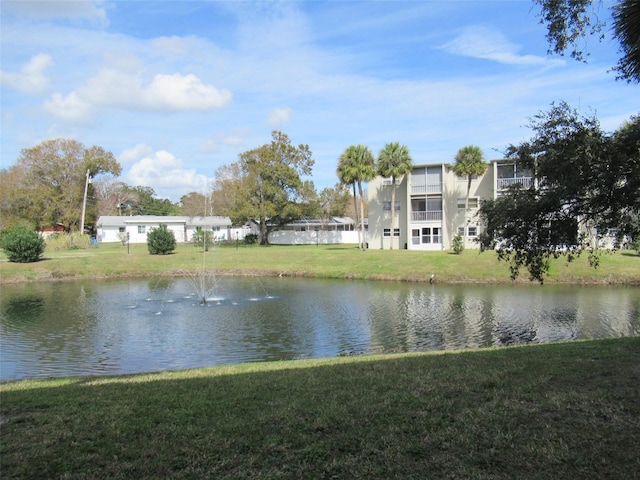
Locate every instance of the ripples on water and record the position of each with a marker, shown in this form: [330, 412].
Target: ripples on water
[129, 326]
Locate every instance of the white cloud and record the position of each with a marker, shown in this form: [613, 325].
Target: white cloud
[164, 173]
[117, 88]
[488, 44]
[31, 78]
[279, 116]
[132, 154]
[71, 109]
[179, 92]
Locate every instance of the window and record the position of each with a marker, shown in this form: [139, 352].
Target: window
[434, 204]
[396, 232]
[473, 202]
[426, 235]
[386, 232]
[415, 236]
[437, 237]
[386, 206]
[141, 229]
[121, 229]
[387, 181]
[471, 231]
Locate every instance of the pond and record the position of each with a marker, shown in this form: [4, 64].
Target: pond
[133, 325]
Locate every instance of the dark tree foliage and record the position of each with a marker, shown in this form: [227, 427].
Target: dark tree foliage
[569, 22]
[585, 182]
[626, 16]
[265, 186]
[22, 245]
[161, 241]
[46, 184]
[143, 201]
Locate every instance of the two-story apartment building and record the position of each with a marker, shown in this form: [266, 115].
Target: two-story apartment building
[430, 205]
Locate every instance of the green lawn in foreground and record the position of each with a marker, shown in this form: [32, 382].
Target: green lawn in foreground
[557, 411]
[331, 261]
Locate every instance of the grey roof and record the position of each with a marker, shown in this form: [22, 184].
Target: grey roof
[120, 221]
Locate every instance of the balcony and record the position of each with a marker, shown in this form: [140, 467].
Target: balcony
[524, 182]
[431, 188]
[428, 216]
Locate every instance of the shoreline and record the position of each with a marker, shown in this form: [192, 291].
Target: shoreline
[327, 262]
[52, 277]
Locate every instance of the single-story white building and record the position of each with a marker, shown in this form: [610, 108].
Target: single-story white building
[116, 228]
[335, 230]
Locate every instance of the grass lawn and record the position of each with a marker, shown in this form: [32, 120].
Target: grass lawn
[331, 261]
[555, 411]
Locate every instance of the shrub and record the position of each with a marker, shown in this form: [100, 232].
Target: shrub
[250, 238]
[457, 244]
[203, 238]
[22, 245]
[161, 241]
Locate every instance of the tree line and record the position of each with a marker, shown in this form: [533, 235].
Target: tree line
[46, 187]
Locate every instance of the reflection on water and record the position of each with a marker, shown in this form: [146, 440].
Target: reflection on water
[127, 326]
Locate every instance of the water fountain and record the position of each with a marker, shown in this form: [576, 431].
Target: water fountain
[202, 279]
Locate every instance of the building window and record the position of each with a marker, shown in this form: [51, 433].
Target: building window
[426, 235]
[386, 232]
[121, 229]
[396, 232]
[471, 231]
[387, 181]
[386, 206]
[473, 203]
[415, 236]
[141, 229]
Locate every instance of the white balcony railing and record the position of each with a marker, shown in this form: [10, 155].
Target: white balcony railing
[426, 216]
[525, 182]
[432, 188]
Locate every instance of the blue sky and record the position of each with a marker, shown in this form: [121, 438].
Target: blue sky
[175, 89]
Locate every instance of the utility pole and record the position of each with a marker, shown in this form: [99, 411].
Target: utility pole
[84, 202]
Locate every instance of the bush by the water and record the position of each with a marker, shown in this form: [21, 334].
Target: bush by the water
[22, 245]
[161, 241]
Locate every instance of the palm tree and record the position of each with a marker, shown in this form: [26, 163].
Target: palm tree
[469, 163]
[626, 25]
[394, 161]
[356, 165]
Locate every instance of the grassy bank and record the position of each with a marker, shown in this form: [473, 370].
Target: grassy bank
[333, 261]
[538, 412]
